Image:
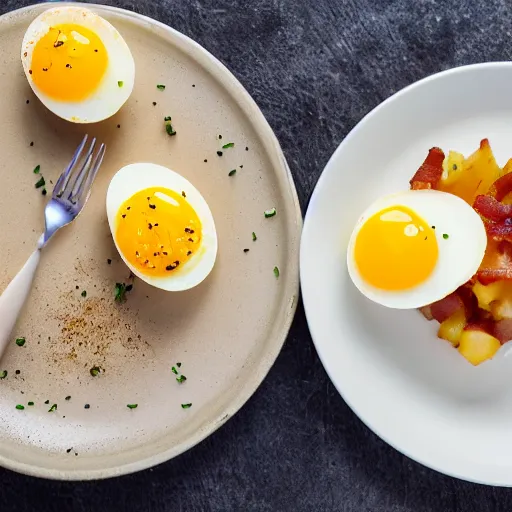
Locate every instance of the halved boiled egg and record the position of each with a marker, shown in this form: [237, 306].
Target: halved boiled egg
[77, 64]
[162, 226]
[415, 247]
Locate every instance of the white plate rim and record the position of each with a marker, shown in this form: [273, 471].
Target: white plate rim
[308, 226]
[289, 282]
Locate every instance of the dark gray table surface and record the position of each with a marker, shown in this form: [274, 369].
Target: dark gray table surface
[315, 68]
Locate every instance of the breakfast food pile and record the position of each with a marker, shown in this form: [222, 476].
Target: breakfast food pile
[445, 247]
[82, 70]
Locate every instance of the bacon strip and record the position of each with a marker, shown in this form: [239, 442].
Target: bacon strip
[500, 231]
[445, 308]
[502, 186]
[492, 208]
[497, 263]
[430, 172]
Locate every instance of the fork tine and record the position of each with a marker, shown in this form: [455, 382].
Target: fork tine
[85, 187]
[62, 182]
[82, 174]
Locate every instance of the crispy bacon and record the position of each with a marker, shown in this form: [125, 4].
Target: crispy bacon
[503, 330]
[497, 263]
[499, 231]
[492, 209]
[444, 308]
[502, 186]
[430, 172]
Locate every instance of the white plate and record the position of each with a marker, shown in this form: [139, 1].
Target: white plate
[412, 389]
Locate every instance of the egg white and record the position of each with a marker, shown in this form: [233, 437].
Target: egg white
[136, 177]
[108, 98]
[459, 255]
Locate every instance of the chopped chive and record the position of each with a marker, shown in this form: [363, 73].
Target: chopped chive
[84, 294]
[20, 407]
[173, 369]
[95, 371]
[40, 183]
[445, 236]
[160, 87]
[276, 272]
[20, 342]
[120, 83]
[181, 379]
[232, 173]
[270, 213]
[120, 292]
[228, 145]
[3, 374]
[52, 408]
[169, 129]
[254, 237]
[186, 406]
[30, 404]
[68, 398]
[37, 168]
[132, 406]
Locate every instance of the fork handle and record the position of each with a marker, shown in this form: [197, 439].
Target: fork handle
[14, 296]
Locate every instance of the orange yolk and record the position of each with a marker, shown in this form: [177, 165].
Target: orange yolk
[157, 231]
[68, 63]
[395, 249]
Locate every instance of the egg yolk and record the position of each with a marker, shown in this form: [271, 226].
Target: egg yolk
[157, 231]
[68, 63]
[395, 249]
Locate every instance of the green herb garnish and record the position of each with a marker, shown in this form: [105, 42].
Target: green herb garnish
[95, 371]
[228, 145]
[37, 168]
[20, 407]
[120, 292]
[3, 374]
[232, 173]
[270, 213]
[186, 406]
[276, 272]
[132, 406]
[30, 404]
[445, 236]
[169, 129]
[53, 408]
[160, 87]
[84, 294]
[181, 379]
[254, 237]
[40, 183]
[173, 369]
[120, 83]
[20, 342]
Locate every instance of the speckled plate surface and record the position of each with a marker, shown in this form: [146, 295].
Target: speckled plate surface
[226, 333]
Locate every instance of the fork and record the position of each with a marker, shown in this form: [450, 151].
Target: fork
[69, 196]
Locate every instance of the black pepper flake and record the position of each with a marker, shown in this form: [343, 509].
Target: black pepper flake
[193, 85]
[205, 160]
[246, 148]
[156, 224]
[58, 43]
[246, 250]
[150, 226]
[154, 103]
[129, 287]
[119, 126]
[17, 372]
[109, 261]
[189, 253]
[69, 450]
[164, 253]
[47, 402]
[183, 193]
[128, 207]
[28, 101]
[29, 71]
[190, 239]
[87, 406]
[68, 66]
[31, 144]
[170, 267]
[220, 136]
[188, 230]
[44, 192]
[68, 398]
[124, 215]
[219, 153]
[96, 51]
[152, 206]
[45, 69]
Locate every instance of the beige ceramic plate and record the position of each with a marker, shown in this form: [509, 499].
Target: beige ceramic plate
[226, 333]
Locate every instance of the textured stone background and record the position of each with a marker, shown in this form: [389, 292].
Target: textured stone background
[315, 68]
